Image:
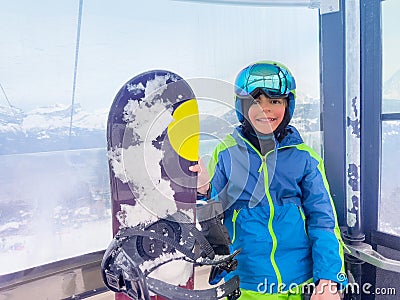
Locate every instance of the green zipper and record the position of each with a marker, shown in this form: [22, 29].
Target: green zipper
[271, 230]
[271, 205]
[303, 217]
[264, 168]
[234, 217]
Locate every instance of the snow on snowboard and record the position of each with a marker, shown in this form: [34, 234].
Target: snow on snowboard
[153, 135]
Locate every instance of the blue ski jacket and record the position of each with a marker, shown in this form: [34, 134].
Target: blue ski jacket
[279, 211]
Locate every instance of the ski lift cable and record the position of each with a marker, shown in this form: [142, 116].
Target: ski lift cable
[8, 101]
[78, 37]
[5, 95]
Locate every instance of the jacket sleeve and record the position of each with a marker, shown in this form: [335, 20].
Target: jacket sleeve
[322, 225]
[216, 170]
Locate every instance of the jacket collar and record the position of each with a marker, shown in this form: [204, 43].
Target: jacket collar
[293, 137]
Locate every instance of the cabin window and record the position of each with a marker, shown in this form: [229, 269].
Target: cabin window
[389, 208]
[54, 185]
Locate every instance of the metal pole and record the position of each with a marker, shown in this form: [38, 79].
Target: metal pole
[354, 233]
[353, 119]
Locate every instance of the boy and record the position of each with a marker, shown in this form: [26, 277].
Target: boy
[277, 206]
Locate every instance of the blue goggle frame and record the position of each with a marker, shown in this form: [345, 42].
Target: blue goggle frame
[275, 81]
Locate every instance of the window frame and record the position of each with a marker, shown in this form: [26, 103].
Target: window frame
[332, 60]
[333, 101]
[371, 95]
[333, 95]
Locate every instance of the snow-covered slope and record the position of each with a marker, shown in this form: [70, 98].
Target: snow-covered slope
[48, 129]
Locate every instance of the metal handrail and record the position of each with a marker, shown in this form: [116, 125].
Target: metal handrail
[58, 280]
[364, 252]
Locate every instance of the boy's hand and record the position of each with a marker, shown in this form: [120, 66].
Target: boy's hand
[326, 290]
[203, 179]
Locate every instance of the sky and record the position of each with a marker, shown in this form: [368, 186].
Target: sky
[391, 38]
[120, 39]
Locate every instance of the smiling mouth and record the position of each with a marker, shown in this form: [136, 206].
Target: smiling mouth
[266, 120]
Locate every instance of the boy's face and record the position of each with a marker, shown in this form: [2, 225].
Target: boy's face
[266, 114]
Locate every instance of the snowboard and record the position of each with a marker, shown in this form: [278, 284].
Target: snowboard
[153, 135]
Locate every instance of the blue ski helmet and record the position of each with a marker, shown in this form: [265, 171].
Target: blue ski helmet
[273, 78]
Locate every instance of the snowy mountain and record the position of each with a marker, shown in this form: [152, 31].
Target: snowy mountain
[47, 129]
[217, 127]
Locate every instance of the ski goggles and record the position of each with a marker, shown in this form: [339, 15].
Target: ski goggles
[275, 81]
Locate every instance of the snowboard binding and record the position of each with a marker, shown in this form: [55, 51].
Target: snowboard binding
[135, 252]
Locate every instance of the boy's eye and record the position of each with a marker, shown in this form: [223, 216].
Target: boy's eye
[276, 101]
[270, 101]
